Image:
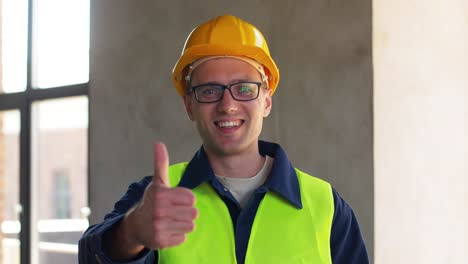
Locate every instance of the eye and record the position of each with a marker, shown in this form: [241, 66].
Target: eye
[245, 89]
[208, 90]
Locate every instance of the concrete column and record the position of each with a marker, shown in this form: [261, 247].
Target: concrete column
[421, 131]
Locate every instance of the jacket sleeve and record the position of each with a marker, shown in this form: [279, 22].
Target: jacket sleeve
[90, 244]
[346, 243]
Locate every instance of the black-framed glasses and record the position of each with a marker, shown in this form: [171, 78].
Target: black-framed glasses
[213, 92]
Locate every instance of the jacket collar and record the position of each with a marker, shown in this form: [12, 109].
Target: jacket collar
[282, 179]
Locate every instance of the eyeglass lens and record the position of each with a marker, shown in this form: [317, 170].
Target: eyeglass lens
[242, 91]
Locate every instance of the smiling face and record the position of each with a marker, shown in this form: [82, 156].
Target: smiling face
[228, 127]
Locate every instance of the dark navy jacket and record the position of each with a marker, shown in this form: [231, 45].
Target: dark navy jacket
[346, 243]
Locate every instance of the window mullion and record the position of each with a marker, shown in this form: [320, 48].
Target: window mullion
[25, 183]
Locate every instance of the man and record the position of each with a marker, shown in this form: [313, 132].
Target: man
[239, 200]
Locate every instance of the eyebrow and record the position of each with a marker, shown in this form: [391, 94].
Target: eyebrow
[242, 80]
[231, 82]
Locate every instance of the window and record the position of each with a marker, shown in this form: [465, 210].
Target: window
[9, 186]
[61, 194]
[44, 69]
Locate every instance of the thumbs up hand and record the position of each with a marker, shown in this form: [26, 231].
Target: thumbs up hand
[164, 215]
[161, 219]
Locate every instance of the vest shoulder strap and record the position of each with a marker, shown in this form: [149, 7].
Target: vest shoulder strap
[175, 173]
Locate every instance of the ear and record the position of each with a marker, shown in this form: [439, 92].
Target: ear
[188, 106]
[268, 103]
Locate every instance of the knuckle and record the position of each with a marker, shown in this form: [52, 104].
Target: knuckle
[194, 213]
[183, 238]
[184, 191]
[191, 226]
[159, 213]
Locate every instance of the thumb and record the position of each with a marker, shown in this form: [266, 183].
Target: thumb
[160, 165]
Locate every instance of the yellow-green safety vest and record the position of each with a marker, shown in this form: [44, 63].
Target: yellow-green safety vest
[281, 233]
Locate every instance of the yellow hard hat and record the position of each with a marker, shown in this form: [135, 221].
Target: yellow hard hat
[226, 35]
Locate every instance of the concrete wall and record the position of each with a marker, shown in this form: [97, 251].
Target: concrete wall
[322, 111]
[421, 131]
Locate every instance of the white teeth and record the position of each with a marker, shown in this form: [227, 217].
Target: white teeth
[229, 123]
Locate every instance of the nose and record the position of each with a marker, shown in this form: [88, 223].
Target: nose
[227, 104]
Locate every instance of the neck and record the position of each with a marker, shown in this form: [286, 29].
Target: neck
[242, 165]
